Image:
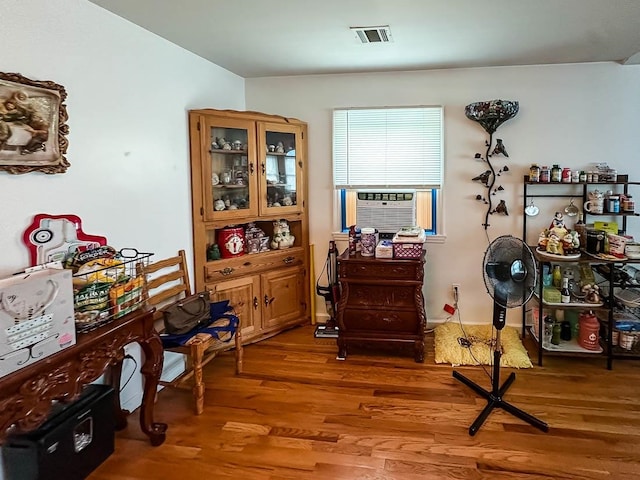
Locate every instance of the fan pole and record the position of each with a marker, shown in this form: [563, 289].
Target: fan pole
[495, 396]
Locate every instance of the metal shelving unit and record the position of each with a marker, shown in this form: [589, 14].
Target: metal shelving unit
[608, 272]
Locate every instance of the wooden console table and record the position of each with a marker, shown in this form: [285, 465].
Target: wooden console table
[381, 301]
[26, 395]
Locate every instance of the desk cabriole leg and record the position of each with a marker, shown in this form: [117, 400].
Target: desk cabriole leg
[151, 369]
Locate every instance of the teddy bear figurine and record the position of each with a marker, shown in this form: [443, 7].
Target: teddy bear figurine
[282, 237]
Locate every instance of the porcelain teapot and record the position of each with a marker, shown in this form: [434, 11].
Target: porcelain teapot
[596, 194]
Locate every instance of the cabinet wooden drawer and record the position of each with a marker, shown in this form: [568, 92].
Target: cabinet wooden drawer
[251, 264]
[363, 295]
[381, 270]
[380, 320]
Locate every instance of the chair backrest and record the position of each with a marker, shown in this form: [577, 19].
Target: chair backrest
[166, 281]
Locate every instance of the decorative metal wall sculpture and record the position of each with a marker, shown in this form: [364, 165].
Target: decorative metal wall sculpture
[490, 115]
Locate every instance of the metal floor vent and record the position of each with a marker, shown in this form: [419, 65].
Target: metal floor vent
[373, 34]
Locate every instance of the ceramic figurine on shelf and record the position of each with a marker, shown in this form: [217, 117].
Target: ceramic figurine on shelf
[219, 205]
[554, 245]
[558, 221]
[571, 242]
[592, 293]
[282, 237]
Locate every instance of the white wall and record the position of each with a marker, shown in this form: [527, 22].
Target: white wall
[574, 115]
[128, 96]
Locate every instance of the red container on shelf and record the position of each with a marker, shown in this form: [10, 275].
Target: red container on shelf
[589, 331]
[231, 242]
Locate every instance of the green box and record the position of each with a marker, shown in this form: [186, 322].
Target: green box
[551, 295]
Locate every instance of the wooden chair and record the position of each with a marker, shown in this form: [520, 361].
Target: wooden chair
[167, 281]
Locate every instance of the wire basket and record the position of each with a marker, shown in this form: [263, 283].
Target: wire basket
[108, 288]
[629, 297]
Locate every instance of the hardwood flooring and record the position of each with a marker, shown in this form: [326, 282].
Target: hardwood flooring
[297, 413]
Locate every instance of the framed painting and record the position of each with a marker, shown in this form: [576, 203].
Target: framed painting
[33, 129]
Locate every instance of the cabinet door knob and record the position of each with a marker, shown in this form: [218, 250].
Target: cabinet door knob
[288, 260]
[264, 168]
[251, 168]
[267, 300]
[226, 271]
[255, 303]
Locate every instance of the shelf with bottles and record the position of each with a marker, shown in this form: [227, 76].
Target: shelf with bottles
[571, 291]
[613, 272]
[561, 332]
[567, 346]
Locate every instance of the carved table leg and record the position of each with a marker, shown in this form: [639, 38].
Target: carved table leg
[151, 369]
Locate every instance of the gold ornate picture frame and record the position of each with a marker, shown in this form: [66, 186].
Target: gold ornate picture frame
[33, 129]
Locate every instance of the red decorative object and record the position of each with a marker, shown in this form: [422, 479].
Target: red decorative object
[588, 336]
[52, 238]
[231, 242]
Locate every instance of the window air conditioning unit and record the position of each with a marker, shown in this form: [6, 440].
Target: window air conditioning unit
[385, 210]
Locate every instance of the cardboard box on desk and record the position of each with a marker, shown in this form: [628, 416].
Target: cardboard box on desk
[36, 317]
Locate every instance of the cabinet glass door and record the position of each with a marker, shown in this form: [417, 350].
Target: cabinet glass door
[229, 175]
[281, 166]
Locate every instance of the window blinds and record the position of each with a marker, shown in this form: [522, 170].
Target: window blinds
[387, 148]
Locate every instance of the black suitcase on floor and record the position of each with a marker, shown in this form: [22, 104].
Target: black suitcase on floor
[73, 441]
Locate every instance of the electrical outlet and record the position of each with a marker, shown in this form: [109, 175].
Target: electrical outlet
[455, 288]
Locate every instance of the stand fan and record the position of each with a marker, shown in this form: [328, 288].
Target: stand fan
[510, 277]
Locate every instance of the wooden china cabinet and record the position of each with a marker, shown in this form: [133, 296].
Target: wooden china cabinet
[249, 169]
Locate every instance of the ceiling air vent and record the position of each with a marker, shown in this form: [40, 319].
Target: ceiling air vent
[373, 34]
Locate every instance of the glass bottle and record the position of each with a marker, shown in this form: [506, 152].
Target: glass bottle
[575, 176]
[534, 173]
[547, 331]
[556, 173]
[565, 294]
[583, 176]
[557, 276]
[352, 240]
[545, 174]
[555, 336]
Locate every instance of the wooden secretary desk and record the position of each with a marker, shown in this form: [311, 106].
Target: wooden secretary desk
[381, 302]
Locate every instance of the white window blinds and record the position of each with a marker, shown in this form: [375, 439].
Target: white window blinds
[387, 147]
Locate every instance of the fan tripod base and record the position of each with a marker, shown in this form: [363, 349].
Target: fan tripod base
[494, 400]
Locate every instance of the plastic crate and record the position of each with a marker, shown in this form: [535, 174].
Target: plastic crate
[407, 250]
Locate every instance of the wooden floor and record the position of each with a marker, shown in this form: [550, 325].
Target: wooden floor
[297, 413]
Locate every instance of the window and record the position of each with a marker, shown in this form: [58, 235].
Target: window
[390, 149]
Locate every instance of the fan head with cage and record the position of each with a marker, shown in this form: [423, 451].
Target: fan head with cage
[509, 270]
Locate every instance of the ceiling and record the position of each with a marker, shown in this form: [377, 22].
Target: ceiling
[260, 38]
